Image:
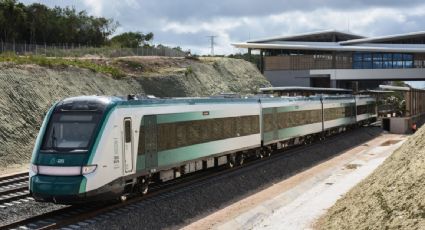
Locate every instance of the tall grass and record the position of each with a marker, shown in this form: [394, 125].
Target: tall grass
[61, 62]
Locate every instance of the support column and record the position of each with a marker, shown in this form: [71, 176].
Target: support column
[262, 61]
[333, 83]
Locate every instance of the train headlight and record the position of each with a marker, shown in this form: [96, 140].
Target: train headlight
[88, 169]
[34, 168]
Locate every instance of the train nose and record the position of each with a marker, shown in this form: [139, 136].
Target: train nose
[42, 185]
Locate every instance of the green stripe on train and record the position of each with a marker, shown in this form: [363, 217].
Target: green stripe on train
[140, 164]
[189, 116]
[83, 185]
[188, 153]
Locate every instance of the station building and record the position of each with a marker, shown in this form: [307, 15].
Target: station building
[339, 59]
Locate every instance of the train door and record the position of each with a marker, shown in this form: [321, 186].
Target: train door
[150, 141]
[275, 124]
[128, 145]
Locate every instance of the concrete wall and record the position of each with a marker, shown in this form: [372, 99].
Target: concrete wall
[403, 125]
[288, 77]
[372, 74]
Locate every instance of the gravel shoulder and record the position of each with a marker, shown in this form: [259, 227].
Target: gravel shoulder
[13, 169]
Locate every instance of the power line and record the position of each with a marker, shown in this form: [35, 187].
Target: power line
[212, 43]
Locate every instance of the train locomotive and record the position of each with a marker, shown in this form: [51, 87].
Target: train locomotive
[96, 147]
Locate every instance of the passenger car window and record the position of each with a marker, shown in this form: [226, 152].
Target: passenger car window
[127, 131]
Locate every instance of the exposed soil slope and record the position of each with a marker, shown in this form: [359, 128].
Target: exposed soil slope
[192, 77]
[27, 91]
[393, 197]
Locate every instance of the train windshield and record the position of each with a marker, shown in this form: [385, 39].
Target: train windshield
[70, 131]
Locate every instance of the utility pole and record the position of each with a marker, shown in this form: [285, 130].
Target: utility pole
[212, 44]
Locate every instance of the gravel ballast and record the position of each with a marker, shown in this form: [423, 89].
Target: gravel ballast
[25, 210]
[181, 208]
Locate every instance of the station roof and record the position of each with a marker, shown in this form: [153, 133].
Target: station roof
[330, 40]
[373, 91]
[325, 35]
[389, 38]
[394, 88]
[305, 89]
[327, 46]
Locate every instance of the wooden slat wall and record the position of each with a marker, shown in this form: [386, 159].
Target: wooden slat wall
[415, 102]
[301, 62]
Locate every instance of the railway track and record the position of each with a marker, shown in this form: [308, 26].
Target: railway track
[14, 190]
[80, 216]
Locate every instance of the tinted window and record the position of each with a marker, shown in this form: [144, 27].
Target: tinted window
[70, 131]
[185, 133]
[127, 130]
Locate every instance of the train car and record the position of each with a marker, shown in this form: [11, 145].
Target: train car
[290, 118]
[366, 109]
[339, 112]
[93, 148]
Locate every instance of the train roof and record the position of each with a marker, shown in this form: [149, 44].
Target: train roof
[104, 101]
[300, 89]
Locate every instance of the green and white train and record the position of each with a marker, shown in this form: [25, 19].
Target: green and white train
[95, 147]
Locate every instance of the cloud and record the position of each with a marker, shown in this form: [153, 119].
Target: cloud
[96, 6]
[187, 23]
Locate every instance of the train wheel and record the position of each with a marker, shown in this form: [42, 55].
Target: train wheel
[258, 153]
[144, 188]
[240, 158]
[231, 161]
[267, 152]
[123, 198]
[261, 155]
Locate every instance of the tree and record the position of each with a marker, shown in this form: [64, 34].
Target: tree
[38, 23]
[131, 39]
[12, 20]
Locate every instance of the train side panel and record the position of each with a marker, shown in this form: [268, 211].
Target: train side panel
[286, 119]
[338, 112]
[365, 108]
[194, 132]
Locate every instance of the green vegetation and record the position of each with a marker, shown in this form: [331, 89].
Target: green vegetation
[64, 32]
[253, 58]
[395, 101]
[131, 39]
[188, 70]
[61, 62]
[39, 24]
[133, 65]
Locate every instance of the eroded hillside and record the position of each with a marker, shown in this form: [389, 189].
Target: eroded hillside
[27, 91]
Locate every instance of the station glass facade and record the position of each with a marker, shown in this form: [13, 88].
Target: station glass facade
[367, 60]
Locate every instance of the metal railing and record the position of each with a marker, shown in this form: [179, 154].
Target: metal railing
[73, 50]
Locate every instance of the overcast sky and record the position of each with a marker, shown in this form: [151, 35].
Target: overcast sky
[187, 23]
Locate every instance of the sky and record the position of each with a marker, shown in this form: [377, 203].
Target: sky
[188, 23]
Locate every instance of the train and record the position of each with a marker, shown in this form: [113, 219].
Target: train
[92, 148]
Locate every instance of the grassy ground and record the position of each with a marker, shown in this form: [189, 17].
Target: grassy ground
[61, 62]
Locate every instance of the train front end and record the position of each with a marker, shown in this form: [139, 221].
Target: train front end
[60, 160]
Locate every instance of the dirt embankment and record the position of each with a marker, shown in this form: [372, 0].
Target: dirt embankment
[393, 197]
[27, 91]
